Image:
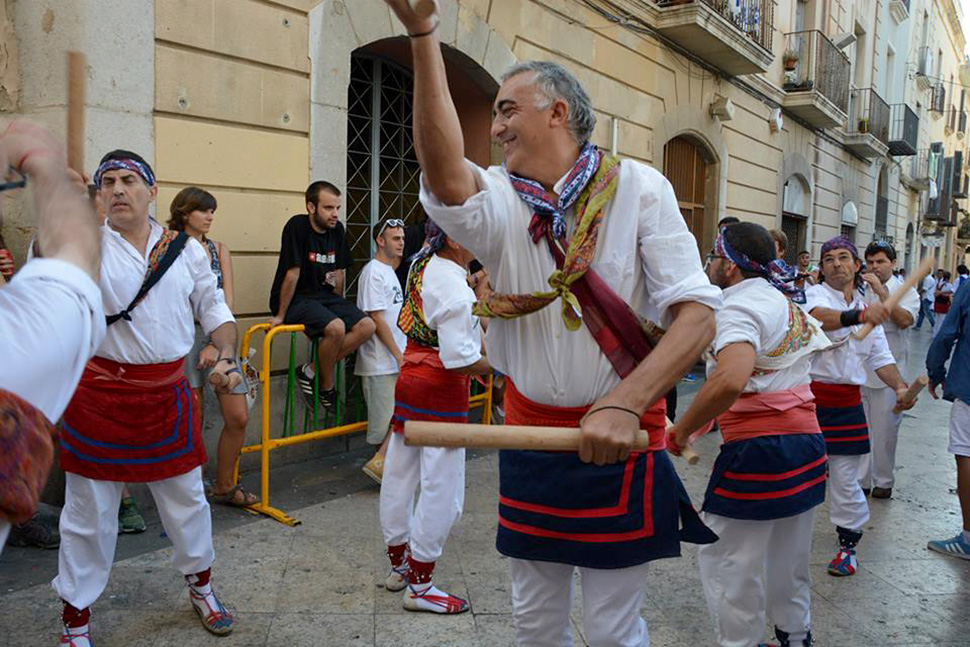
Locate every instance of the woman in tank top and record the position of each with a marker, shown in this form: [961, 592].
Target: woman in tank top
[193, 211]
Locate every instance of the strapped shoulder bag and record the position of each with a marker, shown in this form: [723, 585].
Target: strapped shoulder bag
[163, 254]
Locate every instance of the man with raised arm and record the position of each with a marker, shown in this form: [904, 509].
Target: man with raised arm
[837, 375]
[579, 247]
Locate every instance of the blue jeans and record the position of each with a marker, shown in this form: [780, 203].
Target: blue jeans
[925, 308]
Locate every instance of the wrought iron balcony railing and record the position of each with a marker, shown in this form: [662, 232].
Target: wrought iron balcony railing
[753, 18]
[903, 130]
[868, 114]
[819, 65]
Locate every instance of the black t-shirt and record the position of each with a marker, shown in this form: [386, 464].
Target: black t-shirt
[316, 254]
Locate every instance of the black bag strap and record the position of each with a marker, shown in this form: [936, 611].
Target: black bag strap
[153, 276]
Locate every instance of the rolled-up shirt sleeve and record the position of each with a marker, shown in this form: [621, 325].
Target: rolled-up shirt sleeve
[481, 223]
[879, 353]
[736, 323]
[51, 323]
[208, 301]
[668, 251]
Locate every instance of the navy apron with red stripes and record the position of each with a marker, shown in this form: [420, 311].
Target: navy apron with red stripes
[841, 418]
[770, 477]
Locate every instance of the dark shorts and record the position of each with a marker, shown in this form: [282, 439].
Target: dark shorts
[316, 313]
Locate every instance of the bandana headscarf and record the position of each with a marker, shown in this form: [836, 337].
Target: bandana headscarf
[546, 208]
[127, 164]
[776, 272]
[434, 239]
[839, 242]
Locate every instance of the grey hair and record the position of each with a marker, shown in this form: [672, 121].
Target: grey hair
[553, 82]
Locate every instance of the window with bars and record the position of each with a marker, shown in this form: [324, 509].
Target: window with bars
[382, 167]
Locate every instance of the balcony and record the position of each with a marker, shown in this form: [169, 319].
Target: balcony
[916, 175]
[899, 9]
[817, 85]
[937, 100]
[867, 133]
[903, 130]
[924, 68]
[733, 36]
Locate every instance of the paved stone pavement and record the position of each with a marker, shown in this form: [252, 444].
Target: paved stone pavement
[318, 584]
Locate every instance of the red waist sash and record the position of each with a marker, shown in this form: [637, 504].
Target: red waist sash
[836, 396]
[776, 413]
[132, 422]
[428, 391]
[520, 410]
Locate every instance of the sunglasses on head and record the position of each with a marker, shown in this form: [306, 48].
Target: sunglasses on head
[391, 222]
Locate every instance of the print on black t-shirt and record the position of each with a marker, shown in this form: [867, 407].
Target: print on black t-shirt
[318, 256]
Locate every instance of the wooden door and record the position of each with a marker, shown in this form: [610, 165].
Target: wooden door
[686, 169]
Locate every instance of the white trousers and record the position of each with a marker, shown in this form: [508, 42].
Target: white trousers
[848, 507]
[878, 465]
[441, 474]
[757, 567]
[89, 531]
[542, 595]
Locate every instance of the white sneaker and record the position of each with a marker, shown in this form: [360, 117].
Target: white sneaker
[428, 597]
[76, 636]
[397, 578]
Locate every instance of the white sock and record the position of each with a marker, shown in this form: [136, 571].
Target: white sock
[308, 370]
[420, 589]
[966, 536]
[76, 631]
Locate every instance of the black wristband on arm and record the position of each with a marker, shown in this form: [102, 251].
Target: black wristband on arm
[850, 318]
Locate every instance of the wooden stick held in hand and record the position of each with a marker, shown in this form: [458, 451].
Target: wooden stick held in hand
[918, 385]
[76, 90]
[552, 439]
[911, 281]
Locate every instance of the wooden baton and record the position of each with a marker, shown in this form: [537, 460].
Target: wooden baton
[76, 90]
[924, 268]
[552, 439]
[910, 396]
[423, 8]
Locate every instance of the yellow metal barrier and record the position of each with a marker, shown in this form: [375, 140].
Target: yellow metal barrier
[267, 444]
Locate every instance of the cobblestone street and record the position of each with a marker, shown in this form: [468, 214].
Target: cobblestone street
[318, 583]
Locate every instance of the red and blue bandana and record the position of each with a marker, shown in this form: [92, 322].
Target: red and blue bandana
[546, 208]
[777, 272]
[126, 164]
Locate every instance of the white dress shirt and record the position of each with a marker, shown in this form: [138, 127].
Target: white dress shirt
[846, 363]
[162, 326]
[644, 252]
[895, 336]
[756, 313]
[447, 301]
[51, 322]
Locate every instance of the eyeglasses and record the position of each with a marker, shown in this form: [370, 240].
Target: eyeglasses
[391, 222]
[15, 180]
[710, 259]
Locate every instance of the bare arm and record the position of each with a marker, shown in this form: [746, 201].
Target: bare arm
[438, 140]
[225, 260]
[286, 293]
[611, 431]
[67, 228]
[831, 319]
[898, 314]
[735, 363]
[338, 282]
[385, 335]
[481, 367]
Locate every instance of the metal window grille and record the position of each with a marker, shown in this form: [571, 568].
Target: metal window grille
[382, 167]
